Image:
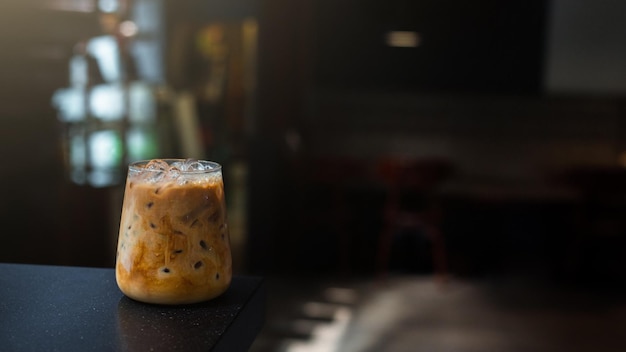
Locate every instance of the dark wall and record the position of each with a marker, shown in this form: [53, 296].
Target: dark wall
[464, 47]
[322, 91]
[47, 220]
[328, 91]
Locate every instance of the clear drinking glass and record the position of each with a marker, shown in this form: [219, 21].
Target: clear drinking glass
[173, 245]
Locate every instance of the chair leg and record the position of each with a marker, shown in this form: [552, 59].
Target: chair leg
[440, 260]
[434, 234]
[384, 251]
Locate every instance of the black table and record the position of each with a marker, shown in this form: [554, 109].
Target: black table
[58, 308]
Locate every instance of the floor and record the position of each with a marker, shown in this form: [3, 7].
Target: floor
[415, 313]
[483, 308]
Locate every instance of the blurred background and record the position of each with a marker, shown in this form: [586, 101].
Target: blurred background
[448, 152]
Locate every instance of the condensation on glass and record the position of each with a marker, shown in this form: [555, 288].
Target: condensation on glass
[174, 243]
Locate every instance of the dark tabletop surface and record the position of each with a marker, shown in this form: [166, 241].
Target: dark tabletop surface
[58, 308]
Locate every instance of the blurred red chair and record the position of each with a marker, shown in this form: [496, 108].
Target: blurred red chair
[413, 203]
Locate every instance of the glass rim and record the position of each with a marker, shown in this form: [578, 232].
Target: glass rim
[139, 165]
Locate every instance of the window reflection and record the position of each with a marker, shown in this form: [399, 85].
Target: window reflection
[141, 103]
[142, 143]
[117, 84]
[105, 149]
[106, 51]
[108, 6]
[106, 102]
[109, 109]
[70, 104]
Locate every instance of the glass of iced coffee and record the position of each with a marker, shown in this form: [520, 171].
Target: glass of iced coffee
[173, 245]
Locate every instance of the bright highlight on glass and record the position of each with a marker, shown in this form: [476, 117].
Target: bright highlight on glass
[403, 39]
[128, 28]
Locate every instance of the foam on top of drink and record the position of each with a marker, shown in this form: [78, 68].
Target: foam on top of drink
[178, 171]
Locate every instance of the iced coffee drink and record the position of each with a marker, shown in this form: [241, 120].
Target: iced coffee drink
[173, 245]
